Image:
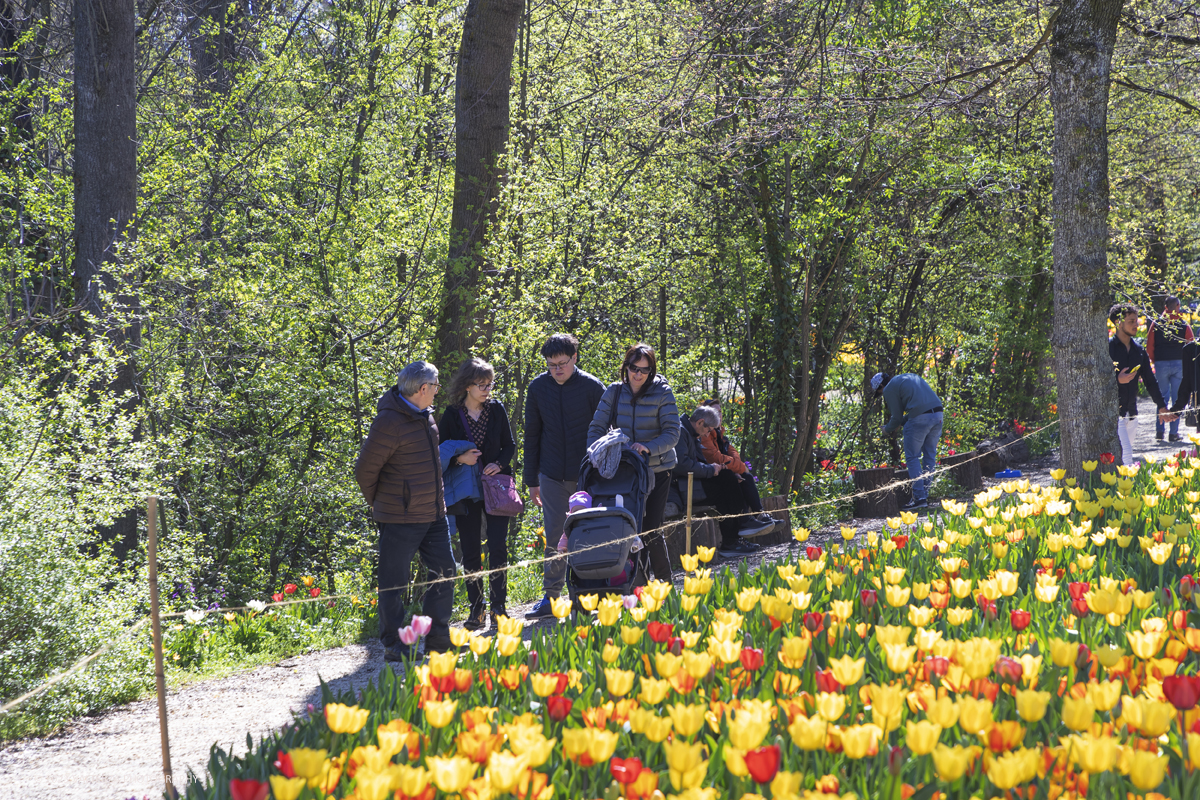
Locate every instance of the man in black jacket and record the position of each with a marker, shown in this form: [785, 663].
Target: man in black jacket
[1129, 361]
[558, 409]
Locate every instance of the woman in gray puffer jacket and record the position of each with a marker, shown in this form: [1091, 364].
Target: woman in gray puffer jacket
[645, 411]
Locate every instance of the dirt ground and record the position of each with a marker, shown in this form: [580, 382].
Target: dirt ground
[118, 753]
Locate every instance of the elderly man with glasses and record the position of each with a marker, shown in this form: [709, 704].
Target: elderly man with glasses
[399, 471]
[558, 409]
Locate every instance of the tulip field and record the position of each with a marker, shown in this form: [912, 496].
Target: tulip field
[1042, 642]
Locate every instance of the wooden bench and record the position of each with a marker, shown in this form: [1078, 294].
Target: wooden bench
[707, 533]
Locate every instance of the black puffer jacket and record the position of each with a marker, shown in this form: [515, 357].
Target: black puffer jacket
[687, 453]
[556, 425]
[498, 445]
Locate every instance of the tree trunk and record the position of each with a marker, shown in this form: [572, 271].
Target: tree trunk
[106, 184]
[1080, 59]
[481, 122]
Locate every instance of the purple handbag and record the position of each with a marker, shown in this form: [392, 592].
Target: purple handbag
[500, 498]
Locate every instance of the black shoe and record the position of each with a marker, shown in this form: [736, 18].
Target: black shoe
[1174, 437]
[397, 652]
[500, 613]
[438, 645]
[541, 610]
[754, 526]
[1158, 435]
[476, 621]
[740, 548]
[765, 518]
[914, 504]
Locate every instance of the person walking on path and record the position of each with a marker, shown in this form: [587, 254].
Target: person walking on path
[1129, 361]
[642, 406]
[474, 416]
[1164, 346]
[715, 448]
[720, 485]
[913, 405]
[559, 407]
[399, 471]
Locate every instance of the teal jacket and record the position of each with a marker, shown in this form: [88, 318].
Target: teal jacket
[906, 396]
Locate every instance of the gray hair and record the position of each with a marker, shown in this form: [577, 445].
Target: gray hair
[708, 415]
[414, 376]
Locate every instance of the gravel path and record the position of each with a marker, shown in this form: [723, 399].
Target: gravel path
[120, 750]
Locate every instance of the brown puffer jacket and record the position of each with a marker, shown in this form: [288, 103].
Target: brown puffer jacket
[398, 468]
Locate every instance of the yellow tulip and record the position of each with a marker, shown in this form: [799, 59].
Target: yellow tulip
[619, 681]
[306, 762]
[1063, 653]
[1105, 694]
[1101, 602]
[921, 737]
[1077, 714]
[286, 788]
[927, 639]
[653, 691]
[1031, 704]
[842, 610]
[687, 767]
[452, 774]
[1151, 717]
[1094, 754]
[560, 607]
[459, 637]
[831, 706]
[859, 740]
[1007, 582]
[439, 713]
[897, 595]
[689, 563]
[1145, 645]
[652, 726]
[479, 644]
[942, 712]
[846, 670]
[410, 781]
[372, 785]
[705, 554]
[589, 601]
[345, 719]
[808, 733]
[687, 719]
[974, 715]
[749, 726]
[951, 762]
[977, 655]
[887, 704]
[507, 645]
[899, 657]
[504, 771]
[530, 743]
[958, 616]
[667, 664]
[735, 762]
[893, 575]
[748, 598]
[631, 635]
[697, 664]
[1146, 770]
[920, 616]
[610, 611]
[442, 664]
[892, 634]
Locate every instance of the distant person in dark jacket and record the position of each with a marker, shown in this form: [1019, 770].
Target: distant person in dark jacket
[1189, 388]
[1164, 346]
[913, 405]
[721, 486]
[473, 415]
[399, 471]
[1129, 361]
[715, 448]
[642, 406]
[558, 409]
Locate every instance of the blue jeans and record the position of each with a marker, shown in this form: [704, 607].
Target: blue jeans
[1169, 375]
[921, 435]
[398, 543]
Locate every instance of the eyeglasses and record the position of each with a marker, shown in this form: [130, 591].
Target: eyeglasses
[638, 370]
[559, 366]
[436, 386]
[485, 387]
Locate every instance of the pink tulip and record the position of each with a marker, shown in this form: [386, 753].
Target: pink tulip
[421, 625]
[631, 601]
[408, 635]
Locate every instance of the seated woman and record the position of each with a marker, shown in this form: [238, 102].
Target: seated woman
[716, 449]
[721, 486]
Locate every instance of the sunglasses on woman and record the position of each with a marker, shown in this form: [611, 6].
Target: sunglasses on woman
[638, 370]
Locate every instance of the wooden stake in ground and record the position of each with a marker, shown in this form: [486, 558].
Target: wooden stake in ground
[160, 678]
[688, 542]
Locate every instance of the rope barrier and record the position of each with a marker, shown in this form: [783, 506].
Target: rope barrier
[480, 574]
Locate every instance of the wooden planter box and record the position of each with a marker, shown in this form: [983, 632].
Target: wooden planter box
[880, 503]
[904, 491]
[966, 470]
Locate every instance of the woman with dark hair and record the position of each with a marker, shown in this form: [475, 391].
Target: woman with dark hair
[474, 416]
[642, 406]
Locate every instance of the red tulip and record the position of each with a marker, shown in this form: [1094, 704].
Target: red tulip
[814, 622]
[1187, 585]
[463, 680]
[763, 763]
[868, 597]
[752, 659]
[1107, 458]
[277, 597]
[1078, 589]
[1083, 657]
[937, 665]
[289, 588]
[1020, 619]
[558, 707]
[1080, 607]
[900, 540]
[283, 763]
[248, 789]
[896, 758]
[1009, 670]
[813, 552]
[987, 607]
[315, 591]
[625, 771]
[659, 632]
[826, 682]
[1183, 691]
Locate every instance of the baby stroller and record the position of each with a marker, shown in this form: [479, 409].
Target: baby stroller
[600, 539]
